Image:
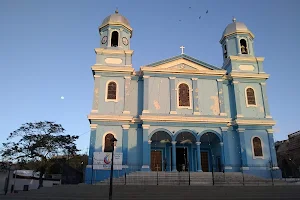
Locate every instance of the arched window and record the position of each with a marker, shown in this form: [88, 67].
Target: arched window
[107, 143]
[225, 51]
[112, 90]
[244, 48]
[257, 147]
[115, 39]
[250, 96]
[184, 95]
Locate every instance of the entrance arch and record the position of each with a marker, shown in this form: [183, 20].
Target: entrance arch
[211, 152]
[185, 154]
[160, 141]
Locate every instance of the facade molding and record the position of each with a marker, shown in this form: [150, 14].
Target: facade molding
[113, 51]
[193, 119]
[146, 126]
[125, 127]
[116, 23]
[254, 122]
[106, 118]
[187, 72]
[103, 68]
[248, 75]
[270, 130]
[93, 126]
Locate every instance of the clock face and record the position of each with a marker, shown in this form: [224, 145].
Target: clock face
[125, 41]
[104, 40]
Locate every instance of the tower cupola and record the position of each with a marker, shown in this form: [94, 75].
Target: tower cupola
[237, 40]
[115, 32]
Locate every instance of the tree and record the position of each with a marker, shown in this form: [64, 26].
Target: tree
[39, 141]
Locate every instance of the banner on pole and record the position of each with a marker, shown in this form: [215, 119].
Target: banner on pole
[102, 160]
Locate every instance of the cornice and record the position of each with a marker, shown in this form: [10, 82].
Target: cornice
[101, 68]
[249, 75]
[189, 72]
[112, 51]
[121, 118]
[254, 122]
[116, 23]
[212, 120]
[237, 32]
[242, 58]
[246, 58]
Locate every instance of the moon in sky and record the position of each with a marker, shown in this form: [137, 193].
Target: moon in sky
[62, 97]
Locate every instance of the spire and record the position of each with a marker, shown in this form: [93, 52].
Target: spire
[117, 11]
[233, 19]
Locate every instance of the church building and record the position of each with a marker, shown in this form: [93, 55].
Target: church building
[181, 114]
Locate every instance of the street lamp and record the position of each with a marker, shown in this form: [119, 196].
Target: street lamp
[113, 143]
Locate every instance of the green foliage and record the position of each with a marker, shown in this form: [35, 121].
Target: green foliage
[38, 141]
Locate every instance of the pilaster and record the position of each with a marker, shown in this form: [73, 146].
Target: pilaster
[92, 143]
[237, 98]
[199, 165]
[221, 97]
[125, 143]
[265, 99]
[243, 148]
[195, 96]
[146, 94]
[95, 107]
[238, 49]
[272, 148]
[226, 152]
[146, 148]
[172, 96]
[174, 168]
[126, 95]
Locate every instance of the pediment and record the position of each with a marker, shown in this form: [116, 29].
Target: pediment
[180, 64]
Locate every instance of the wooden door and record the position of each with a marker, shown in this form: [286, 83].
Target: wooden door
[204, 161]
[156, 161]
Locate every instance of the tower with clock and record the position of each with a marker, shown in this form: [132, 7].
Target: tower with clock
[115, 33]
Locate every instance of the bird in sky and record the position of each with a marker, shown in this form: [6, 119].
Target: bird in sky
[200, 17]
[206, 11]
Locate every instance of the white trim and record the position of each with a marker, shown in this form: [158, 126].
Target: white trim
[228, 167]
[262, 148]
[103, 139]
[119, 36]
[246, 97]
[117, 91]
[190, 95]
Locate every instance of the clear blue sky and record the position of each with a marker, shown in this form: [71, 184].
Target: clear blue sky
[47, 49]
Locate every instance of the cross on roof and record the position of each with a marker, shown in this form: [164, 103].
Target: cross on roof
[182, 48]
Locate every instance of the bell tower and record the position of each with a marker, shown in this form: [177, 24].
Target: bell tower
[115, 34]
[237, 40]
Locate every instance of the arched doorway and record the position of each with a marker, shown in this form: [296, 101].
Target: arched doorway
[160, 142]
[211, 152]
[185, 154]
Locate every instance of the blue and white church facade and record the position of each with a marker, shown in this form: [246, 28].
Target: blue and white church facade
[180, 113]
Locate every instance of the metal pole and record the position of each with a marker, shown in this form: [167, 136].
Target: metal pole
[189, 175]
[6, 188]
[125, 177]
[111, 172]
[157, 175]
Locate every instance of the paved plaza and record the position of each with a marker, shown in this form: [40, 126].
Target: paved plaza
[99, 192]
